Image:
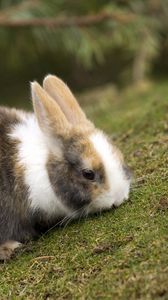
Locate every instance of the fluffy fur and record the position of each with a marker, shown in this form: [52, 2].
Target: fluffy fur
[33, 154]
[118, 182]
[43, 164]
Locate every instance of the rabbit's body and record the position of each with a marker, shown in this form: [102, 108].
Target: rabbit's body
[52, 168]
[26, 196]
[15, 221]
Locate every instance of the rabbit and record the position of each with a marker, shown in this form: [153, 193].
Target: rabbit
[54, 165]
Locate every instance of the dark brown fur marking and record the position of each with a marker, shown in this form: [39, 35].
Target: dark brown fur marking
[66, 176]
[14, 217]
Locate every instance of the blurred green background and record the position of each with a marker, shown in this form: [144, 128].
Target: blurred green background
[114, 56]
[87, 43]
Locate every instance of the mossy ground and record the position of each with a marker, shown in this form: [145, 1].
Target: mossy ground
[123, 253]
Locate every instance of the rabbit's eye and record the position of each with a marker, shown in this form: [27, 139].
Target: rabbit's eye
[88, 174]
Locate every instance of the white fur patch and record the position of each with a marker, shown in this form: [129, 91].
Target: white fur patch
[118, 184]
[33, 155]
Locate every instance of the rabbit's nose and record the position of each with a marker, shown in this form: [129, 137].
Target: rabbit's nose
[128, 172]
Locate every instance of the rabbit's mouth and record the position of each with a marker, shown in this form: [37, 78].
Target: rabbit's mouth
[108, 199]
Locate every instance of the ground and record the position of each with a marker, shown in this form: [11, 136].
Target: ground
[123, 253]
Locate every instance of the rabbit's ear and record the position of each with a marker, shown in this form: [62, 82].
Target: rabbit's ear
[61, 93]
[50, 117]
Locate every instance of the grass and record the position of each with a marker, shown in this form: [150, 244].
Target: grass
[123, 253]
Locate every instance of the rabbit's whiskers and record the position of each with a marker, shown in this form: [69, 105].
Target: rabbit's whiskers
[67, 219]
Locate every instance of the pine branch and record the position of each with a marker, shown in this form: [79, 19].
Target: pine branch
[82, 21]
[28, 4]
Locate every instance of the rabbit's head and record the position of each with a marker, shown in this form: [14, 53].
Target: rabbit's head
[85, 169]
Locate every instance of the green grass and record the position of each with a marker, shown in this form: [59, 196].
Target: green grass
[123, 253]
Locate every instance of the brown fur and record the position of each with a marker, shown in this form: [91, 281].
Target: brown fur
[89, 155]
[78, 154]
[50, 117]
[20, 189]
[15, 219]
[61, 93]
